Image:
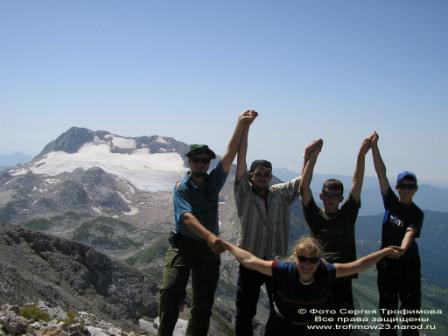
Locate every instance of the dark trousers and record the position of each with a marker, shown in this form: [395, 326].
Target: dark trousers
[185, 255]
[277, 326]
[341, 297]
[399, 280]
[248, 292]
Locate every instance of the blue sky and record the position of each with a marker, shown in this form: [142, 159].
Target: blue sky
[186, 69]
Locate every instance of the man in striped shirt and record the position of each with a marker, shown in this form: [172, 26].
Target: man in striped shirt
[263, 215]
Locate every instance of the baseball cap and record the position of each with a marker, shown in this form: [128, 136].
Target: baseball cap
[406, 175]
[260, 163]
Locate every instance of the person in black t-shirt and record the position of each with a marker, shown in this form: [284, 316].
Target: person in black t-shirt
[334, 226]
[399, 279]
[302, 284]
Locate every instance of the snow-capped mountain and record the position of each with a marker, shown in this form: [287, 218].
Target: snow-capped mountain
[95, 173]
[83, 175]
[149, 163]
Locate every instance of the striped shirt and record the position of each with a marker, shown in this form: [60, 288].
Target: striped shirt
[264, 223]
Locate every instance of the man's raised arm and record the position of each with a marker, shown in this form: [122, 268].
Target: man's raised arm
[358, 176]
[244, 120]
[307, 174]
[378, 162]
[241, 165]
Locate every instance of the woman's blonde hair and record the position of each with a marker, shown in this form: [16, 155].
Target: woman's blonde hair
[307, 245]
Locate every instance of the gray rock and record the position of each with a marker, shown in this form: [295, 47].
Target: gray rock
[36, 266]
[13, 324]
[77, 330]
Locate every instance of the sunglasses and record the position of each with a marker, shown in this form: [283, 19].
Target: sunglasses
[331, 194]
[407, 186]
[311, 260]
[199, 159]
[262, 174]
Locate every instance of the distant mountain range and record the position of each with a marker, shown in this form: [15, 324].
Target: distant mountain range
[11, 160]
[428, 196]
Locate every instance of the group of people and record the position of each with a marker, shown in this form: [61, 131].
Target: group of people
[320, 271]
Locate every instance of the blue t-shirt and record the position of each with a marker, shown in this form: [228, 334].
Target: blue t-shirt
[398, 217]
[290, 295]
[202, 201]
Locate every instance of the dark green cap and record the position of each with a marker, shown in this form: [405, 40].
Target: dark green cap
[197, 149]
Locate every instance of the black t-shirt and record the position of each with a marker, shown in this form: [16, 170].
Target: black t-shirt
[398, 217]
[336, 233]
[290, 295]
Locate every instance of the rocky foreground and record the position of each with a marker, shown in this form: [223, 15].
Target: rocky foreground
[63, 273]
[41, 320]
[52, 286]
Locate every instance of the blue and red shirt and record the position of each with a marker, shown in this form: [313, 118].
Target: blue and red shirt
[202, 201]
[292, 299]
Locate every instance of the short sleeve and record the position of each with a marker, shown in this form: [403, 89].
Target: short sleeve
[289, 190]
[417, 224]
[278, 267]
[329, 268]
[241, 189]
[351, 209]
[181, 201]
[390, 199]
[311, 212]
[218, 175]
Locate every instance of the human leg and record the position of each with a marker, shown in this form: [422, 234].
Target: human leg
[172, 290]
[277, 326]
[341, 299]
[248, 292]
[205, 275]
[388, 279]
[410, 293]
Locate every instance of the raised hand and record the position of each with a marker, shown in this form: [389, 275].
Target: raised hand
[248, 116]
[365, 146]
[374, 137]
[313, 148]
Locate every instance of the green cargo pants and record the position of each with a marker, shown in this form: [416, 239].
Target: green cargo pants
[184, 255]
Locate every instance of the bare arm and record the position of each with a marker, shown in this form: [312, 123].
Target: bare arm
[195, 226]
[307, 172]
[358, 176]
[380, 167]
[407, 240]
[241, 165]
[363, 263]
[244, 120]
[248, 259]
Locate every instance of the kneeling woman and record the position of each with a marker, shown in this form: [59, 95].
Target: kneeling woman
[303, 284]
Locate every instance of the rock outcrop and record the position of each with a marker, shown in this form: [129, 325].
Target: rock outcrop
[35, 266]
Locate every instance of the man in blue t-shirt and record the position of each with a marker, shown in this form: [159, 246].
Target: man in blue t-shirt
[193, 245]
[399, 279]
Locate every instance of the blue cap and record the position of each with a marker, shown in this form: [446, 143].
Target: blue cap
[406, 175]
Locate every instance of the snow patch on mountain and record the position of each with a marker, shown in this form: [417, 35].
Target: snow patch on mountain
[146, 171]
[161, 140]
[120, 142]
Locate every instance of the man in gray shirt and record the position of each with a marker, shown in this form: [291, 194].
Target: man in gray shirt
[263, 215]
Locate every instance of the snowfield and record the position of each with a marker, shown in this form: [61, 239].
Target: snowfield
[146, 171]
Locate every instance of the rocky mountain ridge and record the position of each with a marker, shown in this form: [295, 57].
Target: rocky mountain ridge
[74, 138]
[35, 266]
